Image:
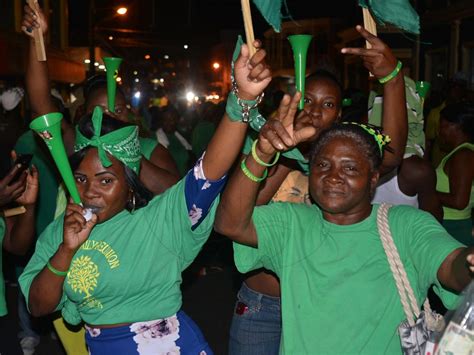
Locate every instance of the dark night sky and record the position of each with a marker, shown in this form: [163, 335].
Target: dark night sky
[196, 22]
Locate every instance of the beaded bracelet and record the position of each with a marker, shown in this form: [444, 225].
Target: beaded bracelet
[260, 161]
[392, 75]
[249, 174]
[56, 271]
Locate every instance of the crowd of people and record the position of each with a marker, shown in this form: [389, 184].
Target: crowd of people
[304, 226]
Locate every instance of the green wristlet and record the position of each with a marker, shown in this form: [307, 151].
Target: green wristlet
[392, 75]
[56, 271]
[249, 174]
[260, 161]
[235, 111]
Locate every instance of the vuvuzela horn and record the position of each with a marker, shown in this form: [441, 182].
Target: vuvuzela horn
[422, 88]
[299, 45]
[48, 128]
[112, 65]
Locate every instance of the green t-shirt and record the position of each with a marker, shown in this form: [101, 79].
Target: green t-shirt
[28, 143]
[338, 293]
[3, 302]
[129, 270]
[147, 146]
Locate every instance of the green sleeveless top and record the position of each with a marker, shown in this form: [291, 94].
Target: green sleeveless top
[3, 303]
[442, 185]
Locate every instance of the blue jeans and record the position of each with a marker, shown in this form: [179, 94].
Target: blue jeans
[256, 324]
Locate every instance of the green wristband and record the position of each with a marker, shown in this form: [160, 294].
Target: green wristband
[260, 161]
[56, 271]
[392, 75]
[249, 174]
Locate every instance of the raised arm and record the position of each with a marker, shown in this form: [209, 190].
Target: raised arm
[381, 62]
[37, 76]
[252, 76]
[234, 214]
[47, 287]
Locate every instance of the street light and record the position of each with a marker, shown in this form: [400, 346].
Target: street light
[92, 14]
[216, 65]
[122, 10]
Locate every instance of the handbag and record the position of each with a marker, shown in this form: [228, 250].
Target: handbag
[415, 332]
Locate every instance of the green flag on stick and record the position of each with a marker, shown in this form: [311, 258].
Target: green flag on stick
[271, 12]
[399, 13]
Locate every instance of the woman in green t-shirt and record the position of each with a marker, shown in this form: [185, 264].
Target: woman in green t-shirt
[256, 323]
[119, 272]
[455, 173]
[338, 292]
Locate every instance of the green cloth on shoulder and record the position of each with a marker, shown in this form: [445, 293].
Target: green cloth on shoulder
[3, 302]
[201, 136]
[147, 146]
[129, 269]
[338, 292]
[29, 143]
[179, 153]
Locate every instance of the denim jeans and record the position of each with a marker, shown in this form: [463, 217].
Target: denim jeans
[256, 324]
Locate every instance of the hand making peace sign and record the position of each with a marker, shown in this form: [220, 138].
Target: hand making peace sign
[379, 59]
[279, 134]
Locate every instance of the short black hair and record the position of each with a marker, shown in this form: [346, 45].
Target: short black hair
[364, 140]
[109, 124]
[461, 114]
[94, 83]
[326, 74]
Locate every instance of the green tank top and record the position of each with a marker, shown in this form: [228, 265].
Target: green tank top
[3, 303]
[442, 185]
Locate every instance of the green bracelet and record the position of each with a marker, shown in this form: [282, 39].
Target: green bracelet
[260, 161]
[249, 174]
[392, 75]
[56, 271]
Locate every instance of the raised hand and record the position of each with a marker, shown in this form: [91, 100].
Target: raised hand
[30, 194]
[33, 19]
[252, 75]
[76, 229]
[9, 191]
[280, 133]
[379, 59]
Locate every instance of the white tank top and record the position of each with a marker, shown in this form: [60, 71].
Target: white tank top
[389, 192]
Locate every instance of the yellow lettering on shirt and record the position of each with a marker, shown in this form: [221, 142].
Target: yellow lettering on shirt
[105, 249]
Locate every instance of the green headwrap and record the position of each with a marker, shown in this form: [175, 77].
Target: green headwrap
[122, 144]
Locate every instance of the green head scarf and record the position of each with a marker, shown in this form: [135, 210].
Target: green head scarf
[122, 144]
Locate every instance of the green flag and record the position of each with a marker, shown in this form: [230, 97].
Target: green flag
[271, 11]
[396, 12]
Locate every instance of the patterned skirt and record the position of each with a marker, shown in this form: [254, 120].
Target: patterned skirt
[177, 334]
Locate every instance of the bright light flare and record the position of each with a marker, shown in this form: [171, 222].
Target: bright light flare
[122, 11]
[190, 96]
[216, 65]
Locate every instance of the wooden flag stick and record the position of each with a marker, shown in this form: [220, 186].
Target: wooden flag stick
[369, 25]
[14, 211]
[248, 26]
[38, 34]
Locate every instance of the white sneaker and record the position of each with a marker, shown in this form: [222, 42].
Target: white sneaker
[28, 345]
